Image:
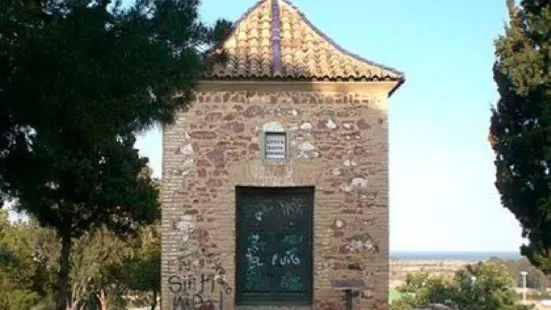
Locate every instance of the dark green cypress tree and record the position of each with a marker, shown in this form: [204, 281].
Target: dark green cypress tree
[520, 131]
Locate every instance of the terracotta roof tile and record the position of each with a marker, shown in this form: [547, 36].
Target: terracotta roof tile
[273, 40]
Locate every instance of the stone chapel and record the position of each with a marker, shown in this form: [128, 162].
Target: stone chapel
[275, 180]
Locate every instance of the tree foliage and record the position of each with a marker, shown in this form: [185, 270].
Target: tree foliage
[535, 278]
[520, 131]
[95, 254]
[25, 277]
[109, 271]
[79, 78]
[484, 286]
[141, 273]
[420, 289]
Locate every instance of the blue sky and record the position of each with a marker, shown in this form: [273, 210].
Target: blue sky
[442, 195]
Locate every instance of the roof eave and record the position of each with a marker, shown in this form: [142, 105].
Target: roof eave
[401, 81]
[382, 87]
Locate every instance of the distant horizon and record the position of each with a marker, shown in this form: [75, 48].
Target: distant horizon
[454, 255]
[455, 251]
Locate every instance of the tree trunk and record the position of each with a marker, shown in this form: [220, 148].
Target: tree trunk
[154, 302]
[102, 296]
[63, 275]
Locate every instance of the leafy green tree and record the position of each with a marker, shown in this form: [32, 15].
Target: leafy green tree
[79, 79]
[535, 278]
[93, 256]
[142, 272]
[520, 127]
[484, 286]
[16, 271]
[102, 265]
[107, 269]
[421, 288]
[25, 282]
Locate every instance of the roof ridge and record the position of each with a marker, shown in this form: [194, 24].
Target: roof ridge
[336, 45]
[275, 31]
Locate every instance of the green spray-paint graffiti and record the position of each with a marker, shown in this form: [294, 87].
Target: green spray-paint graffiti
[291, 282]
[293, 238]
[275, 252]
[254, 278]
[258, 210]
[289, 257]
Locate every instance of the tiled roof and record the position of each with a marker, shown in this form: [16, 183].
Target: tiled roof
[273, 40]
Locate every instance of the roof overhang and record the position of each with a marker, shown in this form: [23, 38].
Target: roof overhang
[380, 87]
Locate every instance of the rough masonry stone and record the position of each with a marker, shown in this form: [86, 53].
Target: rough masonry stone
[350, 176]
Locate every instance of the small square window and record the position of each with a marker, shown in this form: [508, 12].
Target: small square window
[275, 145]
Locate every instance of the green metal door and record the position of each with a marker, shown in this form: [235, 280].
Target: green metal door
[274, 245]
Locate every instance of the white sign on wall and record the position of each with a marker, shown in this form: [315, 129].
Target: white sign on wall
[275, 145]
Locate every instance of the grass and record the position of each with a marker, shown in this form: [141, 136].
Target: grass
[394, 295]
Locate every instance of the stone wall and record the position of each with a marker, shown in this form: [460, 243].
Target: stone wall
[338, 142]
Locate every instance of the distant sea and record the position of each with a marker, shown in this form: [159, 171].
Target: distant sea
[452, 255]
